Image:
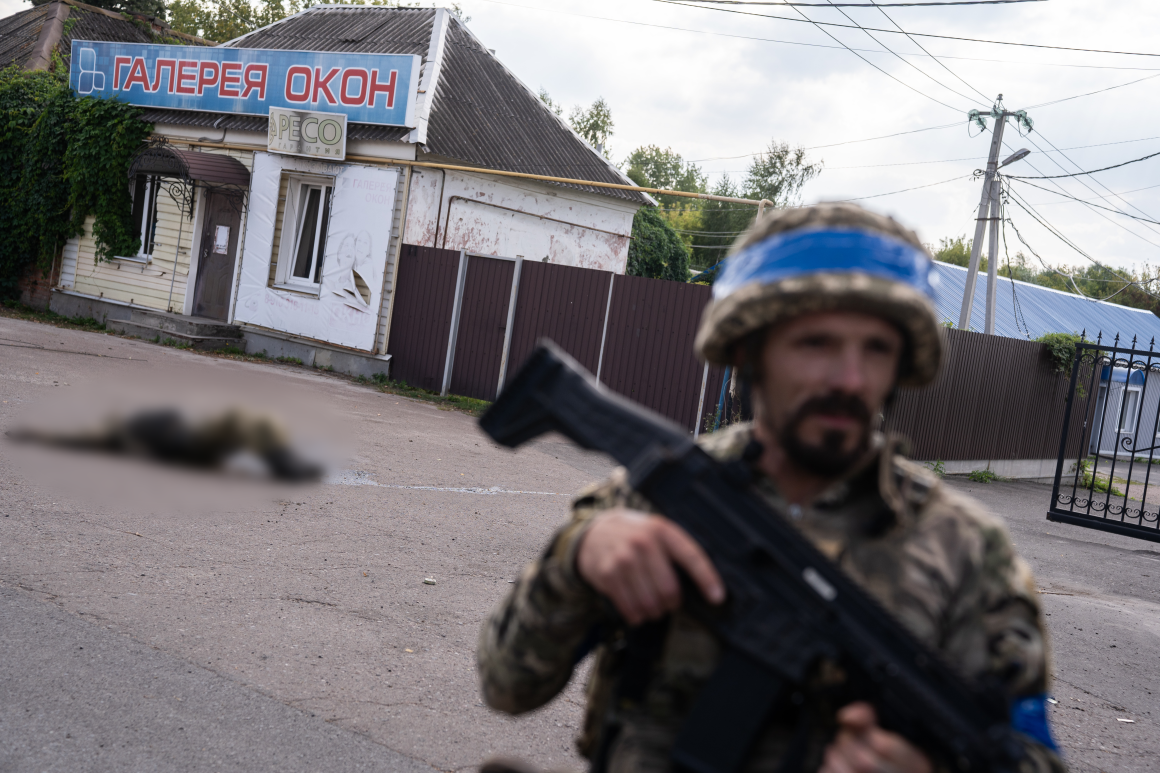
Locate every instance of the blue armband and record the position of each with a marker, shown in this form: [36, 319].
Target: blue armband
[1029, 716]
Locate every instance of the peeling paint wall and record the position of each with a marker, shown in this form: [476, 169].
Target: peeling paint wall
[514, 217]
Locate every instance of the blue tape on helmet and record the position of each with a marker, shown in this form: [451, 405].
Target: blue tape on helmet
[830, 251]
[1029, 716]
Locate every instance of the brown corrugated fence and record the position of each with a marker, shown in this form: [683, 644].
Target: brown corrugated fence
[482, 324]
[995, 398]
[421, 315]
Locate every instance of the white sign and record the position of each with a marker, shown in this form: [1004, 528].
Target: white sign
[307, 133]
[221, 240]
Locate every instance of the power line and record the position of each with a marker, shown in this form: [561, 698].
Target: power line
[905, 190]
[899, 58]
[1015, 307]
[1080, 174]
[940, 161]
[866, 5]
[879, 6]
[1083, 201]
[833, 144]
[814, 45]
[918, 34]
[1059, 235]
[1096, 181]
[1089, 206]
[830, 35]
[1088, 94]
[1120, 193]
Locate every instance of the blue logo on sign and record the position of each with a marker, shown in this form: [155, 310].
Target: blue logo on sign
[90, 79]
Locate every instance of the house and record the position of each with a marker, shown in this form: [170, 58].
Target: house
[397, 126]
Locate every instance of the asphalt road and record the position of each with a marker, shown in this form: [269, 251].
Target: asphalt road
[228, 624]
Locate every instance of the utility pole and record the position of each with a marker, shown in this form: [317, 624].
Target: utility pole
[989, 203]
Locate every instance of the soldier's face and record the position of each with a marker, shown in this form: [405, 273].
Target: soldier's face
[824, 377]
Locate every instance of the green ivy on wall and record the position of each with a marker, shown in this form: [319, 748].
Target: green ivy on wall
[62, 158]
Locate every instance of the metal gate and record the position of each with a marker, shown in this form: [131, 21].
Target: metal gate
[1113, 410]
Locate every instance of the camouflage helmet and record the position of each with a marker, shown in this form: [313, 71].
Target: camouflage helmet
[822, 258]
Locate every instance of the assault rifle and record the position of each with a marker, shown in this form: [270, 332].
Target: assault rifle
[788, 606]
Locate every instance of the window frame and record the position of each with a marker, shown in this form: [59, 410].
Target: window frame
[146, 222]
[296, 204]
[1129, 408]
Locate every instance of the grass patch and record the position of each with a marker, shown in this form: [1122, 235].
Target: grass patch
[937, 467]
[175, 343]
[468, 405]
[288, 360]
[16, 310]
[1096, 483]
[982, 476]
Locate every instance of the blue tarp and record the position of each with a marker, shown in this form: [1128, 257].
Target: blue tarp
[1042, 310]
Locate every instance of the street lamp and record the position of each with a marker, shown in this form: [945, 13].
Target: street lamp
[1016, 156]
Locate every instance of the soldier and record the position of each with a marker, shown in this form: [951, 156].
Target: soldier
[824, 311]
[165, 435]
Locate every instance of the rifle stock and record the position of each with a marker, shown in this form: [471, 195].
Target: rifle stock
[788, 605]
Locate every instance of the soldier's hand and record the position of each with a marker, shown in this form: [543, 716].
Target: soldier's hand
[629, 556]
[861, 746]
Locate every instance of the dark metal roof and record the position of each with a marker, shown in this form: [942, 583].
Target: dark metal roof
[20, 31]
[482, 115]
[215, 168]
[363, 29]
[257, 123]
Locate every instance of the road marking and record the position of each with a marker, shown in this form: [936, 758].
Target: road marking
[360, 478]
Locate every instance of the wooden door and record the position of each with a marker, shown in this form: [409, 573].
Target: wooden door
[215, 264]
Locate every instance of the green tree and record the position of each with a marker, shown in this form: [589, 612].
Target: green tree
[144, 7]
[594, 124]
[656, 250]
[721, 223]
[60, 158]
[779, 173]
[651, 167]
[957, 252]
[546, 98]
[223, 20]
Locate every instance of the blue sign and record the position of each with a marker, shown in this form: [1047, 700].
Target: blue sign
[368, 88]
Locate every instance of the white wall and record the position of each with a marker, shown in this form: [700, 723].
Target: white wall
[475, 212]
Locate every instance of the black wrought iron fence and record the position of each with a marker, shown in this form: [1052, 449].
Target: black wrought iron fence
[1106, 486]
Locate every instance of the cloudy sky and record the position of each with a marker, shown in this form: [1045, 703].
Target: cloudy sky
[717, 85]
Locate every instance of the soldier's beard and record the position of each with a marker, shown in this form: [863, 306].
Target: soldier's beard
[830, 458]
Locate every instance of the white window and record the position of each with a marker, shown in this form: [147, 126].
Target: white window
[302, 245]
[1131, 407]
[145, 190]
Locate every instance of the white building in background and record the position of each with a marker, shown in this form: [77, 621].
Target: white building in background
[303, 247]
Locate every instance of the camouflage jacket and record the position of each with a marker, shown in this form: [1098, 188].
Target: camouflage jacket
[936, 559]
